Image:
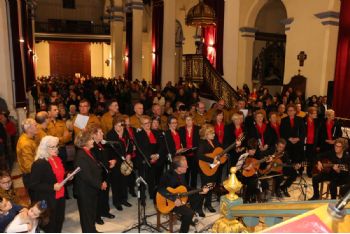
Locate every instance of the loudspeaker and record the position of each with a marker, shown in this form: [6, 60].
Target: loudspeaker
[330, 89]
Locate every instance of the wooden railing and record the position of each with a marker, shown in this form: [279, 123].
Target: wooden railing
[272, 213]
[199, 70]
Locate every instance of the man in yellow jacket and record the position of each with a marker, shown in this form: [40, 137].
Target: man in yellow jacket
[26, 149]
[84, 108]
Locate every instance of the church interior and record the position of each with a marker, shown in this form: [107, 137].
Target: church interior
[230, 57]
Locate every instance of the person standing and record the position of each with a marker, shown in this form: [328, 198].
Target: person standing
[88, 181]
[26, 150]
[47, 174]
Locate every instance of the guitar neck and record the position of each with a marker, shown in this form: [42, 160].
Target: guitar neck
[226, 150]
[189, 193]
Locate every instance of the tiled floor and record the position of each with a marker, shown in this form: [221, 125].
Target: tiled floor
[128, 217]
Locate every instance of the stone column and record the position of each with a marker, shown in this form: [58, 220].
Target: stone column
[168, 57]
[230, 55]
[6, 67]
[136, 7]
[116, 27]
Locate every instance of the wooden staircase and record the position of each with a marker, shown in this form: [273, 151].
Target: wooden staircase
[197, 68]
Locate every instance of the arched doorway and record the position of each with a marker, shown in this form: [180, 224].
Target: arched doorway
[269, 44]
[179, 40]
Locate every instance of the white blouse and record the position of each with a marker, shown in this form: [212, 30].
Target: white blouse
[20, 225]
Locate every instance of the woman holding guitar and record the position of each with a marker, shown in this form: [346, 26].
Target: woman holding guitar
[247, 171]
[207, 145]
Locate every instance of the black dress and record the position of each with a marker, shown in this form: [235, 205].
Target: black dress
[87, 185]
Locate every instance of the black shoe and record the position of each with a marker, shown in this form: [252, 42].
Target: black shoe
[194, 222]
[314, 198]
[201, 213]
[210, 209]
[127, 204]
[119, 207]
[109, 216]
[99, 221]
[285, 192]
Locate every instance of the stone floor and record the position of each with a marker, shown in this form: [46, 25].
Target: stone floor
[128, 217]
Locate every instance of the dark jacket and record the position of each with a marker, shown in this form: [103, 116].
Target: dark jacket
[88, 181]
[42, 180]
[195, 136]
[298, 130]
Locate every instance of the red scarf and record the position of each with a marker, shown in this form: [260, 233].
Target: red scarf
[329, 125]
[276, 127]
[176, 139]
[219, 131]
[58, 170]
[131, 133]
[238, 132]
[291, 122]
[261, 129]
[310, 138]
[189, 140]
[152, 139]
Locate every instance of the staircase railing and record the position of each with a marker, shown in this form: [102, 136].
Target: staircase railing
[199, 70]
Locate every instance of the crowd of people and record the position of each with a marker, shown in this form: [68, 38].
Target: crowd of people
[115, 130]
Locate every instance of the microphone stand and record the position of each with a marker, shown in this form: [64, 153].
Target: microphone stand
[337, 211]
[140, 182]
[169, 156]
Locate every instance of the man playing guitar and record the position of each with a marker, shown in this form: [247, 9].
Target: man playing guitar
[174, 178]
[281, 164]
[335, 168]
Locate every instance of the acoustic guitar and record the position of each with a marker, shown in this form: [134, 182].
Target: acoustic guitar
[277, 166]
[165, 205]
[252, 165]
[219, 154]
[327, 167]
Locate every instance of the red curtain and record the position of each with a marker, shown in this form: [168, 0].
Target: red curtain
[210, 44]
[342, 69]
[157, 40]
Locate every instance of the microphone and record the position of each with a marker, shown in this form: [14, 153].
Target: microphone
[103, 142]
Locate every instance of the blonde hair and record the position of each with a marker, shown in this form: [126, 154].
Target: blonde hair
[45, 144]
[205, 130]
[82, 138]
[329, 112]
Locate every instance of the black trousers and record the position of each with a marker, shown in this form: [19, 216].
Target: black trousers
[296, 152]
[187, 212]
[87, 205]
[119, 184]
[103, 202]
[336, 179]
[26, 183]
[205, 180]
[310, 154]
[252, 187]
[192, 171]
[57, 213]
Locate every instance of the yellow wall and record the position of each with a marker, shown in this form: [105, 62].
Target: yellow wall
[306, 34]
[100, 52]
[42, 50]
[89, 10]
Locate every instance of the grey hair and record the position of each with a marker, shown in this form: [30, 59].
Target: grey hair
[27, 123]
[42, 151]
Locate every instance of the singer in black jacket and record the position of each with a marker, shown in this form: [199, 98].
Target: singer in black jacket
[172, 136]
[88, 181]
[189, 135]
[293, 130]
[150, 153]
[106, 162]
[330, 130]
[121, 149]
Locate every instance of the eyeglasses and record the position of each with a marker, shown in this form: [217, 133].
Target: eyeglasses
[146, 123]
[52, 146]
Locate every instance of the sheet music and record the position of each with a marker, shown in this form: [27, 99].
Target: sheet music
[70, 176]
[81, 121]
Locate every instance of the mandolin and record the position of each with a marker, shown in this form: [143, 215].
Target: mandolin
[219, 154]
[165, 205]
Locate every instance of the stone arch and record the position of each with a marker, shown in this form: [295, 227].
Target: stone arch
[254, 10]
